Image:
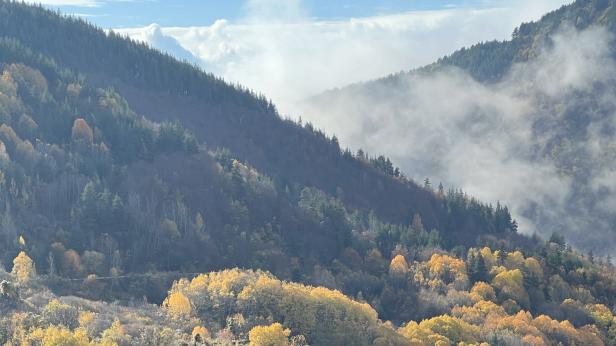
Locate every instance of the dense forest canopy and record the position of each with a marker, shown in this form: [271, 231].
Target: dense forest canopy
[129, 177]
[163, 89]
[546, 295]
[85, 175]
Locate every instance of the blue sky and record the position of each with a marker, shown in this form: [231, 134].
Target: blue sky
[131, 13]
[292, 49]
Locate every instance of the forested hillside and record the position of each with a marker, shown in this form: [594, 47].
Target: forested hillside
[163, 89]
[132, 187]
[528, 121]
[543, 295]
[490, 61]
[91, 186]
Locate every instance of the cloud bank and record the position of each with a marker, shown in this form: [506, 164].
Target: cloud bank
[541, 140]
[279, 50]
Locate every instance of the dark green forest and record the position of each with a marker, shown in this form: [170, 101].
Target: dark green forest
[97, 187]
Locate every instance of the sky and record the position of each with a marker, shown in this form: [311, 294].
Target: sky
[131, 13]
[290, 50]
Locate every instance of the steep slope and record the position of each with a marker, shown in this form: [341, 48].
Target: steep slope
[491, 61]
[529, 121]
[90, 188]
[160, 88]
[101, 202]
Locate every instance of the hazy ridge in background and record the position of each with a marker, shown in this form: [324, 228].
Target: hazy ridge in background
[531, 124]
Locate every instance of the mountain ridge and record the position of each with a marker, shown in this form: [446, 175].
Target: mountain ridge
[556, 131]
[124, 174]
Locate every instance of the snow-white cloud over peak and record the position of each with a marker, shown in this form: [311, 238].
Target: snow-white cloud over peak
[281, 51]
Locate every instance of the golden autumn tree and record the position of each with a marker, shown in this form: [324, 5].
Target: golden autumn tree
[601, 314]
[447, 268]
[178, 305]
[114, 335]
[58, 336]
[82, 132]
[441, 330]
[483, 291]
[23, 268]
[422, 336]
[398, 265]
[58, 313]
[532, 270]
[87, 321]
[259, 294]
[272, 335]
[510, 284]
[452, 328]
[514, 260]
[489, 257]
[478, 313]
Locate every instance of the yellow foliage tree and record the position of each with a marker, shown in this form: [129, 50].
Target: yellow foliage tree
[489, 257]
[58, 313]
[398, 265]
[178, 305]
[554, 329]
[317, 313]
[483, 291]
[447, 268]
[87, 321]
[445, 330]
[58, 336]
[478, 313]
[601, 314]
[23, 268]
[422, 336]
[533, 340]
[272, 335]
[511, 285]
[514, 260]
[520, 324]
[533, 268]
[114, 334]
[452, 328]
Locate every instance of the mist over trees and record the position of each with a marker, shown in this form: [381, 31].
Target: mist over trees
[502, 119]
[133, 187]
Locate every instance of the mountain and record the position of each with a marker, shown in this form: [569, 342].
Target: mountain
[120, 159]
[163, 89]
[528, 121]
[133, 188]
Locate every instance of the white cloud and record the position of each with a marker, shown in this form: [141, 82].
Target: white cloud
[279, 50]
[510, 141]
